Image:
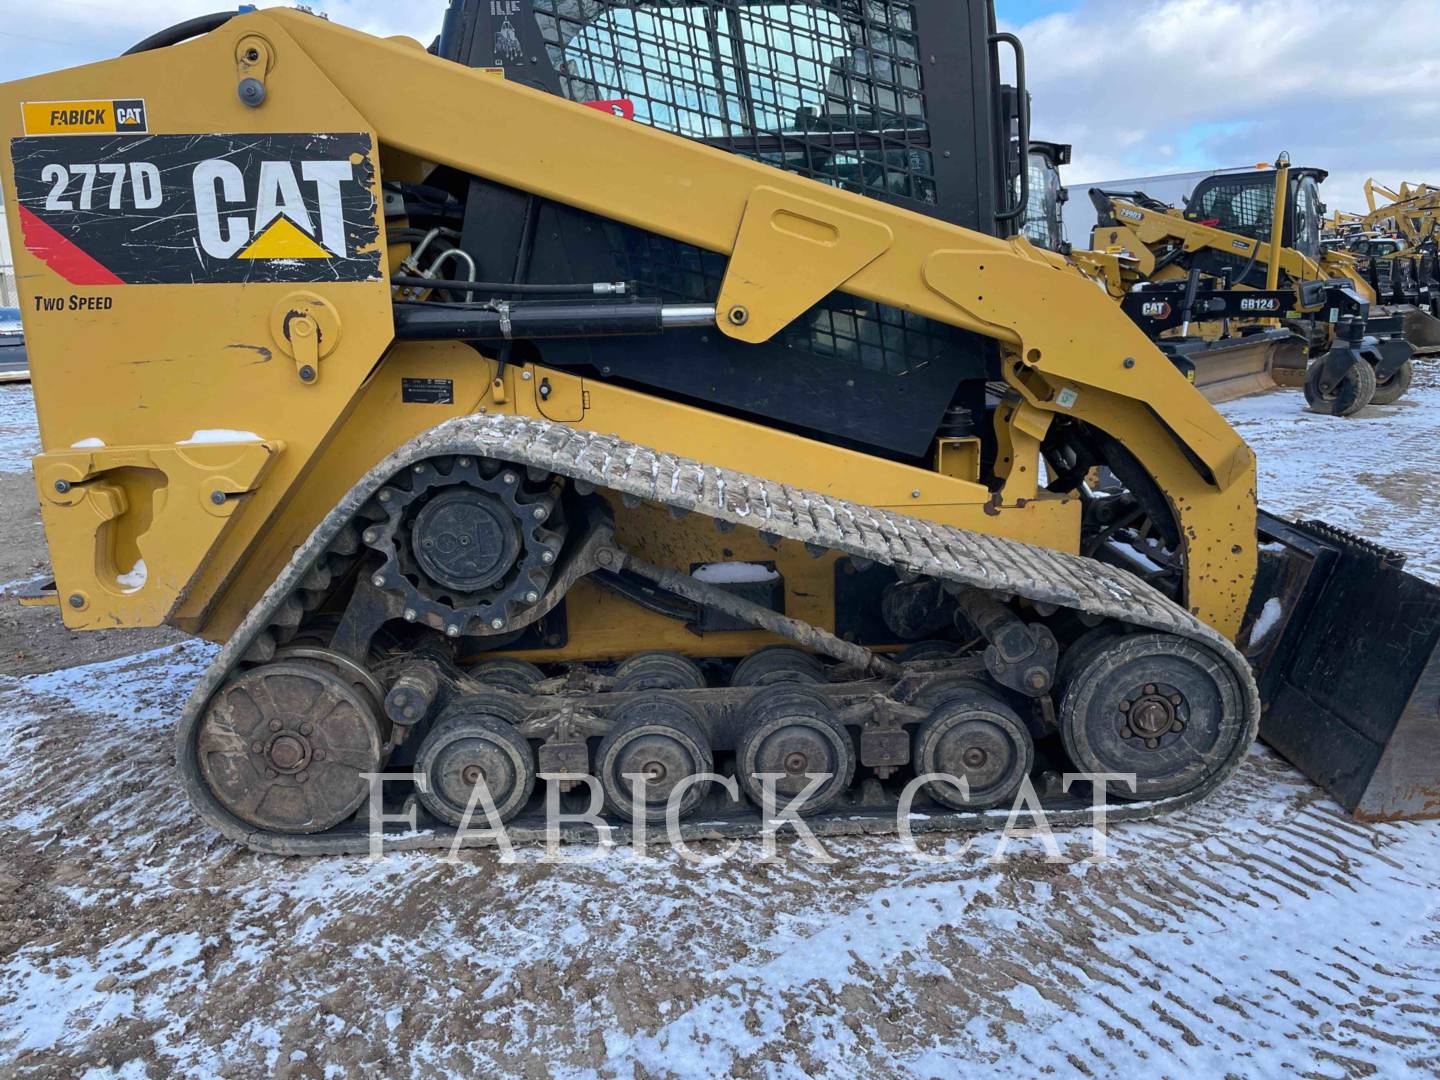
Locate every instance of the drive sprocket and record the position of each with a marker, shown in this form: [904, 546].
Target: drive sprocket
[468, 544]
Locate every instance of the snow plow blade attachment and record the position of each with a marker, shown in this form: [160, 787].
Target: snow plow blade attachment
[1422, 329]
[1232, 368]
[1346, 651]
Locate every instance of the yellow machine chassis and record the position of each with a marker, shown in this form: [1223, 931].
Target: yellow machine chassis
[168, 361]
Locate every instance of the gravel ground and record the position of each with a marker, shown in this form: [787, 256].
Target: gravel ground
[1263, 933]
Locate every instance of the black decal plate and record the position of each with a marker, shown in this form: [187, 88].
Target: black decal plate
[427, 391]
[181, 209]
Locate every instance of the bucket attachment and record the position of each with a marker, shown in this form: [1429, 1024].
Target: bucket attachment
[1235, 367]
[1346, 650]
[1421, 328]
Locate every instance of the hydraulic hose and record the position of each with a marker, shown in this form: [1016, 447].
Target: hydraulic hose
[1250, 266]
[182, 31]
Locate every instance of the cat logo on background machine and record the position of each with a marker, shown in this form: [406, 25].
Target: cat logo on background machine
[177, 209]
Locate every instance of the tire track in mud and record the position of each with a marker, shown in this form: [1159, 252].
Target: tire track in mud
[1263, 932]
[1107, 974]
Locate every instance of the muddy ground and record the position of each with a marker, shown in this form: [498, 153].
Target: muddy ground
[1260, 934]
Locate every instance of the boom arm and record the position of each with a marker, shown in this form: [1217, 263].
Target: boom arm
[1163, 240]
[771, 224]
[1413, 212]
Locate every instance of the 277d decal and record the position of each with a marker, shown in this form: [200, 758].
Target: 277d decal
[177, 209]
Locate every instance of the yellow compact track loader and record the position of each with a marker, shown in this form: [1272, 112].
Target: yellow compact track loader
[1244, 264]
[652, 401]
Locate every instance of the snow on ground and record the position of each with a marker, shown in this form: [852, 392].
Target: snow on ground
[19, 433]
[1260, 934]
[1373, 474]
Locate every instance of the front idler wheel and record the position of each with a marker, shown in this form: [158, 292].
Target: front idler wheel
[1351, 394]
[475, 742]
[285, 747]
[792, 733]
[1166, 710]
[974, 736]
[661, 738]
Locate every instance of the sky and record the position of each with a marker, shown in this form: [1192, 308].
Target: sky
[1139, 87]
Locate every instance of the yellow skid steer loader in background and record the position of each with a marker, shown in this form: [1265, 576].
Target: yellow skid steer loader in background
[631, 393]
[1300, 316]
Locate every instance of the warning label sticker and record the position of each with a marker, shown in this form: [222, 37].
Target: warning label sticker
[84, 117]
[180, 209]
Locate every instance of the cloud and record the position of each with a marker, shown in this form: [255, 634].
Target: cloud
[83, 31]
[1138, 88]
[1180, 85]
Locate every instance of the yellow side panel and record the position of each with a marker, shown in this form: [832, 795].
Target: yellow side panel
[141, 337]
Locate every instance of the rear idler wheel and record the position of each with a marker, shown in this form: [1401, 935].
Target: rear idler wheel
[474, 742]
[285, 747]
[792, 733]
[1395, 387]
[658, 671]
[661, 738]
[974, 736]
[1350, 395]
[778, 664]
[1166, 710]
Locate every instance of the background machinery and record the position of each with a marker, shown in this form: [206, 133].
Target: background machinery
[1045, 210]
[14, 366]
[1261, 318]
[1394, 246]
[651, 391]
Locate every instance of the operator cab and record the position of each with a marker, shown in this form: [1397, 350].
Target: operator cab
[1044, 224]
[1244, 203]
[1378, 247]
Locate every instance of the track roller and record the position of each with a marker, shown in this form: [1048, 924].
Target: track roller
[658, 671]
[778, 664]
[975, 736]
[928, 651]
[516, 676]
[475, 741]
[792, 732]
[662, 738]
[284, 747]
[1156, 706]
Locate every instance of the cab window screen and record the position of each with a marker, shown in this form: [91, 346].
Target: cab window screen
[832, 91]
[1247, 209]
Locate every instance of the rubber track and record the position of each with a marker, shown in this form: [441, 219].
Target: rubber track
[907, 543]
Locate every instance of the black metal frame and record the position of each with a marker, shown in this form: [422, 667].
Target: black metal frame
[1159, 308]
[851, 371]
